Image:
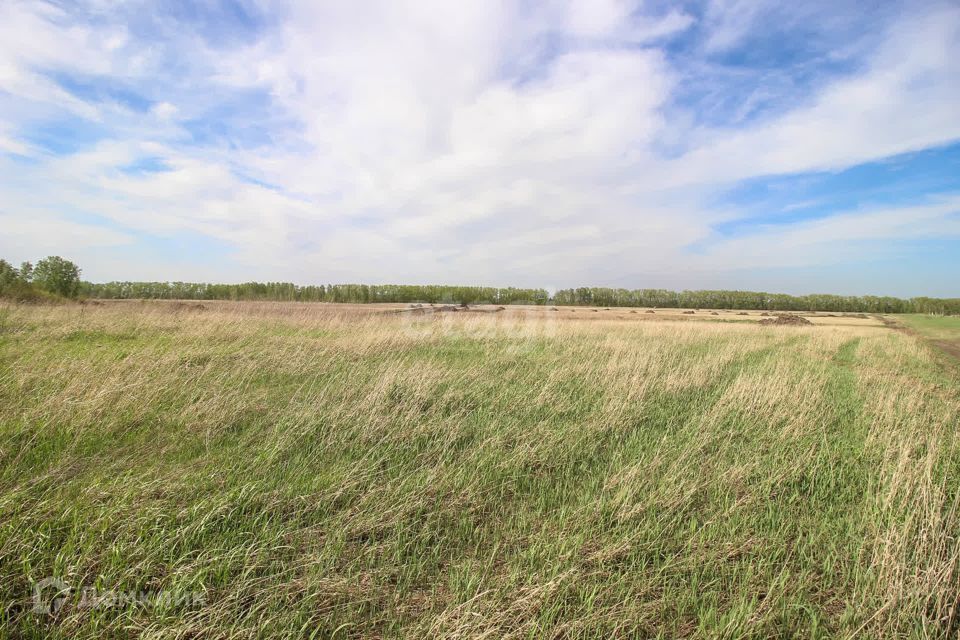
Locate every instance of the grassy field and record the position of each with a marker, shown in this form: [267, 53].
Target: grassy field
[937, 327]
[335, 471]
[940, 328]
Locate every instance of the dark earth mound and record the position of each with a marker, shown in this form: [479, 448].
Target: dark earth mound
[787, 320]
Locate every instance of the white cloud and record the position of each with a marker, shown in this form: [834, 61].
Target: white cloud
[903, 101]
[857, 235]
[730, 21]
[164, 110]
[451, 141]
[52, 235]
[617, 20]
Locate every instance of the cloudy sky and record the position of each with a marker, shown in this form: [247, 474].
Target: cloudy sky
[795, 146]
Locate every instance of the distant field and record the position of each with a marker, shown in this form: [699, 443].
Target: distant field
[313, 470]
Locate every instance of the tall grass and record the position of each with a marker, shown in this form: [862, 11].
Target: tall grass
[332, 472]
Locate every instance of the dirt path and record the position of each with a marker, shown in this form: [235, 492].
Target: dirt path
[950, 347]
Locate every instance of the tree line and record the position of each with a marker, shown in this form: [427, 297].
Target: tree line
[56, 277]
[287, 291]
[582, 296]
[722, 299]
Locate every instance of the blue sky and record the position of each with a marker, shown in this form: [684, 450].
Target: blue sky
[799, 147]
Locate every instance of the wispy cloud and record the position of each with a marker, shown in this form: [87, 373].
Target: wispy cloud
[563, 142]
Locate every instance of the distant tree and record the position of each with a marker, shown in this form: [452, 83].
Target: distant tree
[56, 275]
[8, 275]
[26, 271]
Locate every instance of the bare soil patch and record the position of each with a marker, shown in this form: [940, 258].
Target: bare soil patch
[787, 320]
[420, 309]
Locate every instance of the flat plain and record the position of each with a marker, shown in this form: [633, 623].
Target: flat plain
[319, 470]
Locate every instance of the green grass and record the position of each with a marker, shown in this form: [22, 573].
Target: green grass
[320, 474]
[937, 327]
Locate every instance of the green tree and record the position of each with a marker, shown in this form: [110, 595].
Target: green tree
[26, 271]
[56, 275]
[8, 275]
